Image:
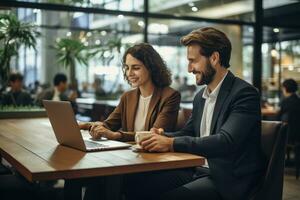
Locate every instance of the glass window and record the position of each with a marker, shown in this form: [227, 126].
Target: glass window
[281, 60]
[123, 5]
[214, 9]
[95, 31]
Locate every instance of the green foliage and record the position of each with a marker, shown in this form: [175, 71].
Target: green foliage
[70, 50]
[13, 34]
[106, 52]
[12, 108]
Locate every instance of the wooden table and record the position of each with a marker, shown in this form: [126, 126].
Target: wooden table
[269, 113]
[29, 145]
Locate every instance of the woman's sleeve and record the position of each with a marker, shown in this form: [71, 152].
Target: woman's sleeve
[167, 117]
[114, 121]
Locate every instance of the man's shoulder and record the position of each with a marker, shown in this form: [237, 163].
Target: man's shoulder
[242, 85]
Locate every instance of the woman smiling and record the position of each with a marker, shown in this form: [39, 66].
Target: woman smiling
[152, 103]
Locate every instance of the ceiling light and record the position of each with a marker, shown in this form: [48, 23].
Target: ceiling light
[291, 68]
[194, 9]
[141, 23]
[274, 53]
[120, 16]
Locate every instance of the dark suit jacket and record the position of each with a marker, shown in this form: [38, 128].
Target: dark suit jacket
[162, 112]
[21, 98]
[290, 113]
[233, 148]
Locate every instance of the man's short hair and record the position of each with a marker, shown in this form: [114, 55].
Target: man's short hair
[15, 76]
[58, 78]
[290, 85]
[210, 40]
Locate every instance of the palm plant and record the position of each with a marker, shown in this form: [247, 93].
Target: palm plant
[70, 51]
[105, 52]
[13, 34]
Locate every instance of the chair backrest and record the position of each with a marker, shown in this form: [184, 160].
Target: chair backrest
[180, 120]
[294, 125]
[273, 142]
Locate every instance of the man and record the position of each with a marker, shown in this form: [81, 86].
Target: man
[290, 111]
[58, 92]
[225, 127]
[16, 96]
[291, 100]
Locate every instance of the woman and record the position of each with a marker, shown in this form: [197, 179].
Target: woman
[151, 104]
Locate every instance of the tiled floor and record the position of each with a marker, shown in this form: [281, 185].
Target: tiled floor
[291, 187]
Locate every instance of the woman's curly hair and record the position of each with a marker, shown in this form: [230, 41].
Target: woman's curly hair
[145, 53]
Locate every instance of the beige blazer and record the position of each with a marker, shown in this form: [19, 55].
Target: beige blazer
[162, 112]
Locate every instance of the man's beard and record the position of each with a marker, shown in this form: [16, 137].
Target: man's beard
[208, 75]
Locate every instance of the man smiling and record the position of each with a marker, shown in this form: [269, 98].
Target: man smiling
[225, 127]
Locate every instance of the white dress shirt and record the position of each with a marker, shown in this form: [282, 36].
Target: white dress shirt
[56, 96]
[209, 106]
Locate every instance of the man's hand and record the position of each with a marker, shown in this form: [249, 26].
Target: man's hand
[99, 131]
[157, 143]
[158, 131]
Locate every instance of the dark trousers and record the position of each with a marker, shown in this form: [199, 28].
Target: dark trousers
[168, 184]
[172, 184]
[106, 187]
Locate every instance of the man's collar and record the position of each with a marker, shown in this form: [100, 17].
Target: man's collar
[215, 92]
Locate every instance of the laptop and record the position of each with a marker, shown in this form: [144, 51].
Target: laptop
[67, 131]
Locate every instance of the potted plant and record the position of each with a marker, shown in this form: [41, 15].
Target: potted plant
[13, 34]
[70, 51]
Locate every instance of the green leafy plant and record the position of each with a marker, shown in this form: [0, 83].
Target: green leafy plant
[70, 51]
[13, 34]
[107, 51]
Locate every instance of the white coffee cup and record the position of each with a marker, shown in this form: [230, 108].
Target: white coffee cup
[140, 135]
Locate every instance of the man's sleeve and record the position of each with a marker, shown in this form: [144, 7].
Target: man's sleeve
[244, 117]
[188, 129]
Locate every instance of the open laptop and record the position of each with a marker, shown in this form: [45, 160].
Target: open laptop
[67, 131]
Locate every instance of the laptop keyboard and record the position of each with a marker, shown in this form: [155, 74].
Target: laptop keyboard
[94, 145]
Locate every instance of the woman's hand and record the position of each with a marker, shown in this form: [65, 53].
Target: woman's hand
[88, 125]
[100, 131]
[84, 125]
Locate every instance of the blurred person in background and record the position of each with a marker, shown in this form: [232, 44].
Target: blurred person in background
[290, 112]
[58, 92]
[16, 95]
[291, 100]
